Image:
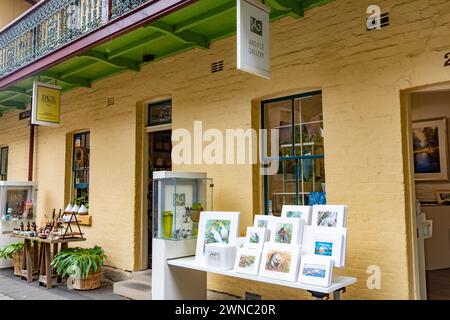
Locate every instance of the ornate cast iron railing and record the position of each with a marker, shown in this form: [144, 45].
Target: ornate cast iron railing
[54, 24]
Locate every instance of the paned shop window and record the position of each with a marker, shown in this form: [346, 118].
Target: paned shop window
[81, 162]
[4, 163]
[301, 173]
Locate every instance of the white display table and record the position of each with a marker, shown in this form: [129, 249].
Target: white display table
[338, 284]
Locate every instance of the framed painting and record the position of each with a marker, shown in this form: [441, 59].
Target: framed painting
[332, 216]
[442, 196]
[256, 237]
[430, 150]
[302, 212]
[247, 261]
[280, 261]
[215, 227]
[262, 221]
[316, 270]
[326, 242]
[286, 230]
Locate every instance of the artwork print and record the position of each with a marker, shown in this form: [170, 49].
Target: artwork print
[327, 219]
[314, 270]
[430, 149]
[262, 224]
[180, 199]
[254, 237]
[278, 261]
[323, 248]
[217, 231]
[283, 233]
[246, 261]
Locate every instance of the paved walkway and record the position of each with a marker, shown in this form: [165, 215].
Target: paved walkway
[14, 288]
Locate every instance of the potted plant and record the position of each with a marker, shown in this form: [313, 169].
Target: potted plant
[83, 266]
[13, 251]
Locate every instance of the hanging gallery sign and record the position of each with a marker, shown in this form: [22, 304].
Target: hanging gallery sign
[253, 38]
[46, 108]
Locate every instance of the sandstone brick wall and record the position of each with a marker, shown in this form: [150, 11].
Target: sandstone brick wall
[361, 74]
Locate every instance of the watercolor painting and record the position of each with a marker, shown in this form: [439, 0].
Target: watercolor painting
[254, 237]
[314, 270]
[283, 233]
[246, 261]
[263, 223]
[217, 231]
[323, 248]
[278, 261]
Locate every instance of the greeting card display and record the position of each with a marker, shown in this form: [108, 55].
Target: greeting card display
[256, 237]
[302, 212]
[247, 261]
[329, 216]
[216, 227]
[280, 261]
[286, 230]
[220, 255]
[316, 270]
[328, 242]
[262, 221]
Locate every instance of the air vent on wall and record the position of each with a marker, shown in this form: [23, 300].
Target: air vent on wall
[110, 101]
[217, 66]
[384, 21]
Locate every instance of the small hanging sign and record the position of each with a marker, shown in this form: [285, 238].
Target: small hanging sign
[46, 105]
[253, 38]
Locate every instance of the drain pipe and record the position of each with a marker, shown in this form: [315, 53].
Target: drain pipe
[31, 153]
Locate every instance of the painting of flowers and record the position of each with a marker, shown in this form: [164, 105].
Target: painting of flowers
[246, 261]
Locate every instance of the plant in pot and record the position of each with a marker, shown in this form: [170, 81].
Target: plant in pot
[83, 266]
[13, 251]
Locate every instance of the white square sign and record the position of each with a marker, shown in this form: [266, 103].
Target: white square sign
[253, 38]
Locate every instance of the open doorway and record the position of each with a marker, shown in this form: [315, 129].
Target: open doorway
[158, 149]
[429, 113]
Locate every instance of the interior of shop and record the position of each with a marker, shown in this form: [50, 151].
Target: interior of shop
[430, 112]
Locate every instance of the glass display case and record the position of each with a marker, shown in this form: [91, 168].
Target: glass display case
[17, 205]
[179, 197]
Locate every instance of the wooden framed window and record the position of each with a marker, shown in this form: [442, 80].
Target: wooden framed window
[4, 163]
[80, 167]
[300, 179]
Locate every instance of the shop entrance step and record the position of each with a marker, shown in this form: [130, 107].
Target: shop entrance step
[143, 276]
[133, 289]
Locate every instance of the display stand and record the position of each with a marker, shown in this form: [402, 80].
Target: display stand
[182, 288]
[170, 284]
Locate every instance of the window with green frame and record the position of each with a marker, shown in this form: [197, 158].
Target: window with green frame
[4, 163]
[301, 173]
[80, 167]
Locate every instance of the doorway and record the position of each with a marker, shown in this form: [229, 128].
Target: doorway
[158, 155]
[429, 113]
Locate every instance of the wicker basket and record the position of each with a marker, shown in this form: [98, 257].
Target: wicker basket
[91, 282]
[17, 258]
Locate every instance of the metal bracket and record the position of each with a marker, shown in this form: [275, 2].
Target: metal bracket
[320, 295]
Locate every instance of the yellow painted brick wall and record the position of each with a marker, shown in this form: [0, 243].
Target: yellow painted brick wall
[361, 75]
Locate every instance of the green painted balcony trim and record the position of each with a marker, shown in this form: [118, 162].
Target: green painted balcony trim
[188, 25]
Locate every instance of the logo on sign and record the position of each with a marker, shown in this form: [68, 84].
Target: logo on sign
[49, 99]
[256, 26]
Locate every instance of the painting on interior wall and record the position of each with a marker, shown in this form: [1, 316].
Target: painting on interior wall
[430, 149]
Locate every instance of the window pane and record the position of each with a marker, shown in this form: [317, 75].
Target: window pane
[278, 115]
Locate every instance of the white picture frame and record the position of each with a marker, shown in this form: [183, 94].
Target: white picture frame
[256, 237]
[247, 261]
[286, 230]
[215, 227]
[331, 216]
[302, 212]
[262, 221]
[324, 241]
[280, 261]
[316, 270]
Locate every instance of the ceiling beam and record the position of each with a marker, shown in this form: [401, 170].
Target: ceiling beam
[134, 45]
[116, 62]
[17, 91]
[70, 80]
[185, 36]
[293, 8]
[208, 15]
[13, 104]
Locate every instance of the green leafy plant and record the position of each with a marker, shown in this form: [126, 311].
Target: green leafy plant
[196, 206]
[7, 251]
[85, 261]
